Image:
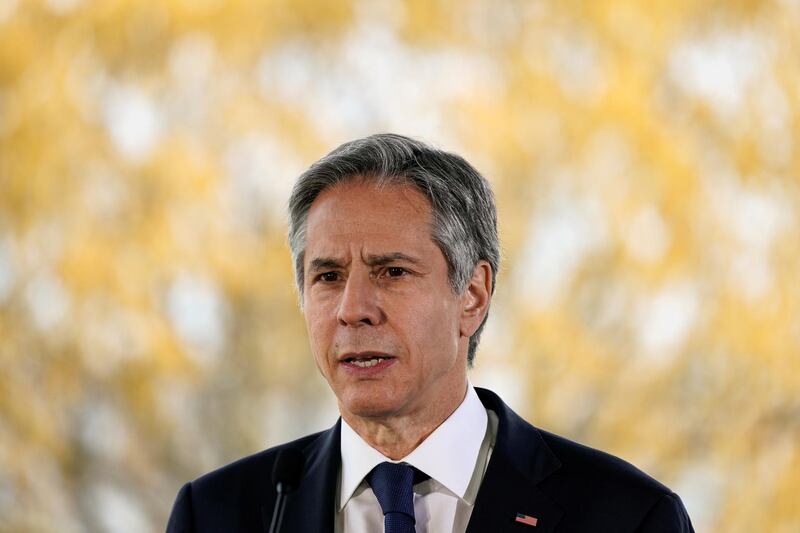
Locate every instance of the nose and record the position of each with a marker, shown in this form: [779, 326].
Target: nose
[359, 304]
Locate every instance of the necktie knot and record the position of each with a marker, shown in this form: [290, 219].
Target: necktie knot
[393, 485]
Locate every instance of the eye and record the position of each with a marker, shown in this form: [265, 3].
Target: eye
[396, 272]
[328, 277]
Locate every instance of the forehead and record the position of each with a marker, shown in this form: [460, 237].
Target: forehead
[381, 215]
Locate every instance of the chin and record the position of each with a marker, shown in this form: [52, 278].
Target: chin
[369, 405]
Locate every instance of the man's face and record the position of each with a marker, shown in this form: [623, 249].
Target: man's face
[385, 327]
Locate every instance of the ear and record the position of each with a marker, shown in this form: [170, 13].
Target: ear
[475, 299]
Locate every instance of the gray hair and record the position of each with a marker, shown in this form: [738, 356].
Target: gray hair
[464, 214]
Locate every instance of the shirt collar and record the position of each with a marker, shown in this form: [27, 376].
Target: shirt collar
[448, 455]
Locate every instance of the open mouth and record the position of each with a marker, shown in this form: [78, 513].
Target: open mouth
[365, 363]
[365, 360]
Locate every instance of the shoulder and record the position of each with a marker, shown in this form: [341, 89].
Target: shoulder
[594, 489]
[599, 488]
[247, 473]
[594, 466]
[232, 498]
[556, 460]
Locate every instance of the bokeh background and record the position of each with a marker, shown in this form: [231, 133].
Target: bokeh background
[645, 161]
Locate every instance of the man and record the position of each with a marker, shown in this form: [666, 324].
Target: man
[396, 252]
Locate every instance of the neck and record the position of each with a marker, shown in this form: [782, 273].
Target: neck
[397, 436]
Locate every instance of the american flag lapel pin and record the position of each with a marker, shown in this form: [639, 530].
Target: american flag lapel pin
[525, 519]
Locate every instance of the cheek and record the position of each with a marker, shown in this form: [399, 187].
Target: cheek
[436, 329]
[318, 329]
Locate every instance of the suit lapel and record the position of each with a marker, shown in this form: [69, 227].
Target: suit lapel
[311, 507]
[503, 494]
[520, 460]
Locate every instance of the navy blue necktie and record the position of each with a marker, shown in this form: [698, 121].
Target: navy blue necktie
[393, 485]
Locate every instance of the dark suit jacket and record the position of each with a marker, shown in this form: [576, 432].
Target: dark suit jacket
[566, 486]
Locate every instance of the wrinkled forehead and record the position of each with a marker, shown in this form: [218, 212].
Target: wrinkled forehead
[383, 217]
[364, 200]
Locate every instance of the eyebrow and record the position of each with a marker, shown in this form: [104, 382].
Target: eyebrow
[394, 257]
[324, 263]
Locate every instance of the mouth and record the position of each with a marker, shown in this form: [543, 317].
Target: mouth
[364, 359]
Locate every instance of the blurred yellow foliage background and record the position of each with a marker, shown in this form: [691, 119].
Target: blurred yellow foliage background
[645, 161]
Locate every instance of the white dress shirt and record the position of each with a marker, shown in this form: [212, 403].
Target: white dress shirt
[455, 456]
